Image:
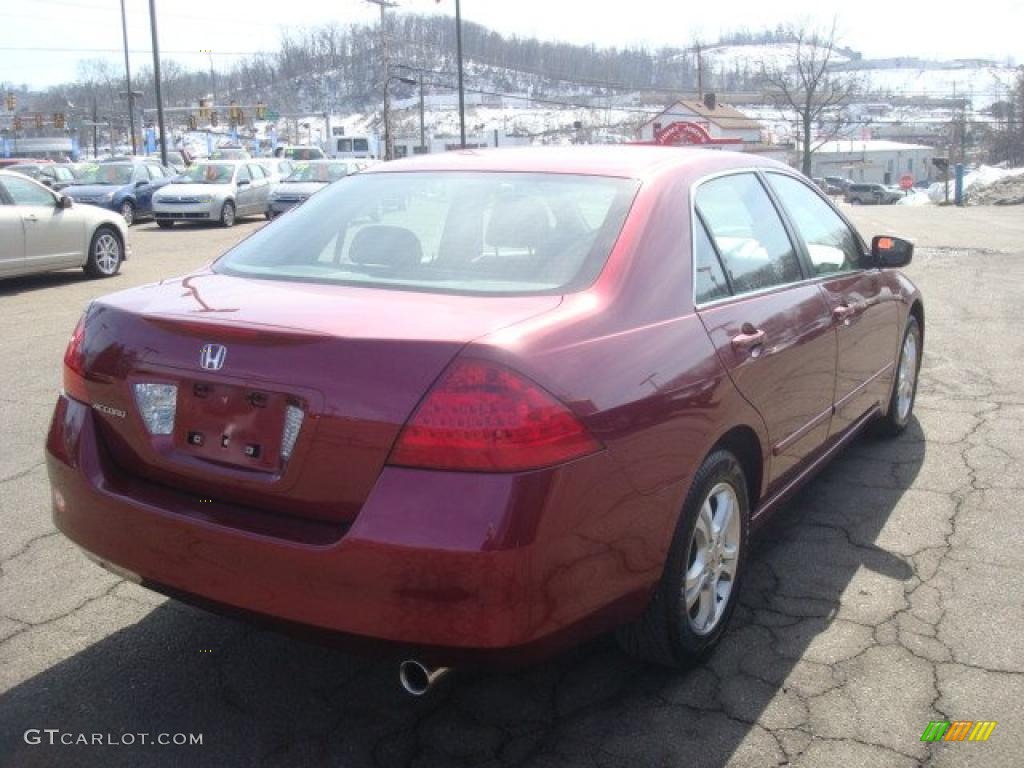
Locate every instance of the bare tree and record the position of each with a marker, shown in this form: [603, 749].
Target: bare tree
[808, 87]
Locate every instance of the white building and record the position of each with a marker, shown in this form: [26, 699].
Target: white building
[874, 161]
[723, 125]
[406, 146]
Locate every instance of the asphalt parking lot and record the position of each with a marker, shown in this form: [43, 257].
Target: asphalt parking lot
[888, 594]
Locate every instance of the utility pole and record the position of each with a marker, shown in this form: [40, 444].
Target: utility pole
[462, 93]
[128, 81]
[700, 75]
[95, 129]
[213, 79]
[156, 82]
[384, 5]
[423, 128]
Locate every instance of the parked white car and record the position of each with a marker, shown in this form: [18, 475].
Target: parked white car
[214, 190]
[42, 231]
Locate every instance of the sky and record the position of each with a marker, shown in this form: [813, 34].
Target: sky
[878, 28]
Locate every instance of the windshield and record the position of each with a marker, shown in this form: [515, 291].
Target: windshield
[115, 174]
[464, 233]
[323, 172]
[208, 173]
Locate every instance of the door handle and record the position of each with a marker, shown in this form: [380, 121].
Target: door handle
[842, 313]
[749, 339]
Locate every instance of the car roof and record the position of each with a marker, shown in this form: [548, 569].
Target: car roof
[626, 161]
[16, 175]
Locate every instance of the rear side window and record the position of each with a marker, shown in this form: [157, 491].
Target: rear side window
[709, 278]
[748, 233]
[243, 174]
[462, 233]
[831, 245]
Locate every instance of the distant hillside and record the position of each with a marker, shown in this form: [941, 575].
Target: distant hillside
[339, 69]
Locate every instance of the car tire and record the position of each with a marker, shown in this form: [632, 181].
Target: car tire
[669, 633]
[164, 223]
[128, 212]
[904, 383]
[106, 253]
[227, 214]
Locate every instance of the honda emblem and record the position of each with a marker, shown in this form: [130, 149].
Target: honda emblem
[212, 356]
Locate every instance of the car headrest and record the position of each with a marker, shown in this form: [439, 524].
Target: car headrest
[520, 222]
[380, 245]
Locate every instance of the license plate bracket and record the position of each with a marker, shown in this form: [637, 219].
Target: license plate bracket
[239, 426]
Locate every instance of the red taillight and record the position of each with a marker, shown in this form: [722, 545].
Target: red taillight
[484, 417]
[74, 365]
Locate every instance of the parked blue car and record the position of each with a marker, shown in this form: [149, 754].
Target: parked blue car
[124, 186]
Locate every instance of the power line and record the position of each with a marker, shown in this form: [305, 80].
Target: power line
[55, 49]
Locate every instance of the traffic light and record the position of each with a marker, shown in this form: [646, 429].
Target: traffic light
[58, 121]
[213, 118]
[11, 101]
[204, 109]
[261, 110]
[192, 122]
[39, 120]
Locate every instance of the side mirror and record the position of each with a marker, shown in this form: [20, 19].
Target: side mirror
[141, 184]
[243, 182]
[64, 202]
[890, 252]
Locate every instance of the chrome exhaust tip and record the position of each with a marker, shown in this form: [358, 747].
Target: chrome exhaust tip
[417, 678]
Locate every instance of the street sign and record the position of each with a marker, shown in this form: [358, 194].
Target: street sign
[906, 182]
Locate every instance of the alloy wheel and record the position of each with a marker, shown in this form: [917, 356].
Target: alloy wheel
[107, 253]
[906, 377]
[128, 212]
[712, 559]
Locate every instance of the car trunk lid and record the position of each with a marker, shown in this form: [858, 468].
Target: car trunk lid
[251, 357]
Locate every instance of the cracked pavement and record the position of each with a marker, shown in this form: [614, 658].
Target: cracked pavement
[885, 595]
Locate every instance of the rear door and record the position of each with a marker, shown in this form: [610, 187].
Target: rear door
[260, 188]
[863, 308]
[770, 326]
[245, 192]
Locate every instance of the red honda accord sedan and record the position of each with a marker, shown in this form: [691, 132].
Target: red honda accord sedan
[488, 403]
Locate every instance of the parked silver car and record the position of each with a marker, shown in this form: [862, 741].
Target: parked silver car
[41, 231]
[214, 190]
[872, 194]
[306, 180]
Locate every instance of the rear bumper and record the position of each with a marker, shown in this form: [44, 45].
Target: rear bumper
[455, 563]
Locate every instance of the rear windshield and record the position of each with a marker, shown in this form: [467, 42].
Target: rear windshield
[304, 153]
[465, 233]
